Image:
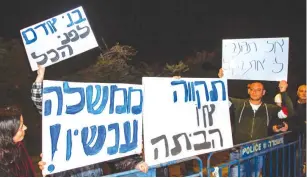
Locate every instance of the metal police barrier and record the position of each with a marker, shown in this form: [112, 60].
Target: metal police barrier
[152, 169]
[267, 148]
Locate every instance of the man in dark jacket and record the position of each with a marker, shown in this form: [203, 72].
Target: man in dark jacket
[299, 117]
[252, 119]
[297, 126]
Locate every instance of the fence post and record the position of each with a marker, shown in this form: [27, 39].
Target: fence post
[300, 156]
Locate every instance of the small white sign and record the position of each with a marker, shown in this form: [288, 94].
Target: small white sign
[58, 38]
[256, 59]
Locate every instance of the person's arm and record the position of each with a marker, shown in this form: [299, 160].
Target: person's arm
[36, 95]
[129, 163]
[288, 106]
[36, 90]
[286, 110]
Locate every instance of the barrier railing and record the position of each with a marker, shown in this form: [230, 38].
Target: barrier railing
[263, 149]
[152, 171]
[258, 151]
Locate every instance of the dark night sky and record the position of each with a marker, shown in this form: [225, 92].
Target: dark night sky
[167, 28]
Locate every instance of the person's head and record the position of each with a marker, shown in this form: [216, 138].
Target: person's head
[248, 87]
[278, 100]
[256, 91]
[12, 131]
[301, 93]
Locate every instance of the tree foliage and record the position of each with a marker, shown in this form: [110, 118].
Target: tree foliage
[176, 69]
[111, 66]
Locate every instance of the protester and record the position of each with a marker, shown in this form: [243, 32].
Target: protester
[300, 112]
[252, 120]
[14, 158]
[296, 125]
[95, 170]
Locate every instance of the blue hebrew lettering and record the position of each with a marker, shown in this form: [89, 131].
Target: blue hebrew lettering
[119, 109]
[196, 83]
[192, 90]
[135, 109]
[25, 37]
[114, 149]
[81, 19]
[88, 150]
[48, 104]
[44, 27]
[180, 82]
[54, 134]
[77, 107]
[128, 146]
[214, 94]
[70, 19]
[68, 144]
[51, 24]
[89, 99]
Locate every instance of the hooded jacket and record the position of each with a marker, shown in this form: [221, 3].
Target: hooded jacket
[248, 125]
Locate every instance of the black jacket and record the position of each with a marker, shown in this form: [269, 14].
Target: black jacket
[247, 125]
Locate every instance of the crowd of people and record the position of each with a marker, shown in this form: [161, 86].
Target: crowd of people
[251, 119]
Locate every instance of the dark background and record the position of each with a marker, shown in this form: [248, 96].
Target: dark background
[164, 31]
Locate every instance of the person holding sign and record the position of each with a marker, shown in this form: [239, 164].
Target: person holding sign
[95, 170]
[14, 158]
[252, 119]
[296, 125]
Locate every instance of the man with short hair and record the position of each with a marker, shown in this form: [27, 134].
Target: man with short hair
[252, 119]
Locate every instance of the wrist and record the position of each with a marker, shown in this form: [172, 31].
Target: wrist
[39, 79]
[282, 91]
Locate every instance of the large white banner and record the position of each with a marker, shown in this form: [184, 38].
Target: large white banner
[256, 59]
[58, 38]
[87, 123]
[184, 117]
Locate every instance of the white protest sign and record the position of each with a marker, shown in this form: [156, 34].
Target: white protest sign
[58, 38]
[256, 59]
[87, 123]
[184, 117]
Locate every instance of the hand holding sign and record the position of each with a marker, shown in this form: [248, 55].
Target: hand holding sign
[142, 166]
[221, 73]
[283, 85]
[40, 74]
[41, 164]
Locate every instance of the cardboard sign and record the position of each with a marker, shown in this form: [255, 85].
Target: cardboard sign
[87, 123]
[184, 117]
[58, 38]
[256, 59]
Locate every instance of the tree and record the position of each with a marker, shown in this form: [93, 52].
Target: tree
[111, 67]
[176, 69]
